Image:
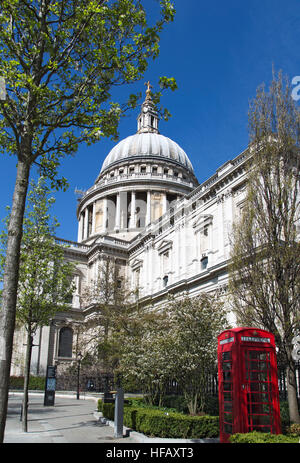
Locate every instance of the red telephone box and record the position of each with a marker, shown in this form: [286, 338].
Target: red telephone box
[248, 382]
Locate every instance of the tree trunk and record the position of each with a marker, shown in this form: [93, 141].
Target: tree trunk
[10, 286]
[292, 393]
[26, 381]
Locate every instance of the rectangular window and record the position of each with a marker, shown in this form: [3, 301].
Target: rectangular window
[204, 263]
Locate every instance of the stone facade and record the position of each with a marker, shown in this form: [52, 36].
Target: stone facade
[167, 233]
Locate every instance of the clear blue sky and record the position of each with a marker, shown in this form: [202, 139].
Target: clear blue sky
[219, 52]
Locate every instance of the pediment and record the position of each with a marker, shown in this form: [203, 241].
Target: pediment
[137, 263]
[202, 220]
[164, 246]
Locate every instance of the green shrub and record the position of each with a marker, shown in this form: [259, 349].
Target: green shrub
[262, 438]
[141, 404]
[108, 411]
[175, 425]
[294, 430]
[284, 415]
[136, 402]
[130, 416]
[35, 382]
[154, 422]
[211, 405]
[176, 402]
[16, 382]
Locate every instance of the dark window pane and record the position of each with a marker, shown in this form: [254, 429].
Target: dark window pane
[226, 355]
[65, 342]
[228, 428]
[228, 406]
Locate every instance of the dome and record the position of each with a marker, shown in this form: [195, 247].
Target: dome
[147, 144]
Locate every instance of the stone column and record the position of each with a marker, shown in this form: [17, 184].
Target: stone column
[164, 210]
[132, 211]
[104, 215]
[80, 222]
[123, 210]
[118, 213]
[148, 213]
[94, 219]
[86, 223]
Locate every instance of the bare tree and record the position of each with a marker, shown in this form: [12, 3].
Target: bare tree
[107, 298]
[265, 266]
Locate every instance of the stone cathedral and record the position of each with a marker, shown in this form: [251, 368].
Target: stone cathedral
[167, 233]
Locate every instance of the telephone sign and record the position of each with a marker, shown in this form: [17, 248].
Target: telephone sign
[248, 382]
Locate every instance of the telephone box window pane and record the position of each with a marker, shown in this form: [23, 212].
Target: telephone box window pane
[227, 406]
[228, 417]
[261, 366]
[228, 428]
[261, 398]
[226, 356]
[226, 366]
[258, 376]
[260, 408]
[227, 386]
[259, 355]
[227, 396]
[261, 419]
[227, 376]
[263, 376]
[260, 387]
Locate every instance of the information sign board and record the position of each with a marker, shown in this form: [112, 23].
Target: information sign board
[50, 386]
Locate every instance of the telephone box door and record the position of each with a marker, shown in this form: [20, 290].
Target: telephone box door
[258, 390]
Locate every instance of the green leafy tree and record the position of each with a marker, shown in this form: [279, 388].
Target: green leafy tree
[265, 260]
[145, 356]
[45, 277]
[194, 326]
[60, 61]
[178, 342]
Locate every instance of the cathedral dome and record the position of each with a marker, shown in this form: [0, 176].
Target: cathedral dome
[147, 145]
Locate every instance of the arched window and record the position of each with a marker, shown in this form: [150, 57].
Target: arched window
[65, 342]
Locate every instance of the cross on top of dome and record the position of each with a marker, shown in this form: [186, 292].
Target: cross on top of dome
[148, 91]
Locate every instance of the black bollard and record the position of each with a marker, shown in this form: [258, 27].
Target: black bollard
[119, 412]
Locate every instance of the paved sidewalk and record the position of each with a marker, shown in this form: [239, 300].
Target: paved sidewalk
[68, 421]
[71, 421]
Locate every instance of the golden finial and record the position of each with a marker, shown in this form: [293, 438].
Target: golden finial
[148, 91]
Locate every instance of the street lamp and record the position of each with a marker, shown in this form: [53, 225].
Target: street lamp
[79, 357]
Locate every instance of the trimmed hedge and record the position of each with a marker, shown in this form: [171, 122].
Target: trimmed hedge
[158, 423]
[262, 438]
[35, 382]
